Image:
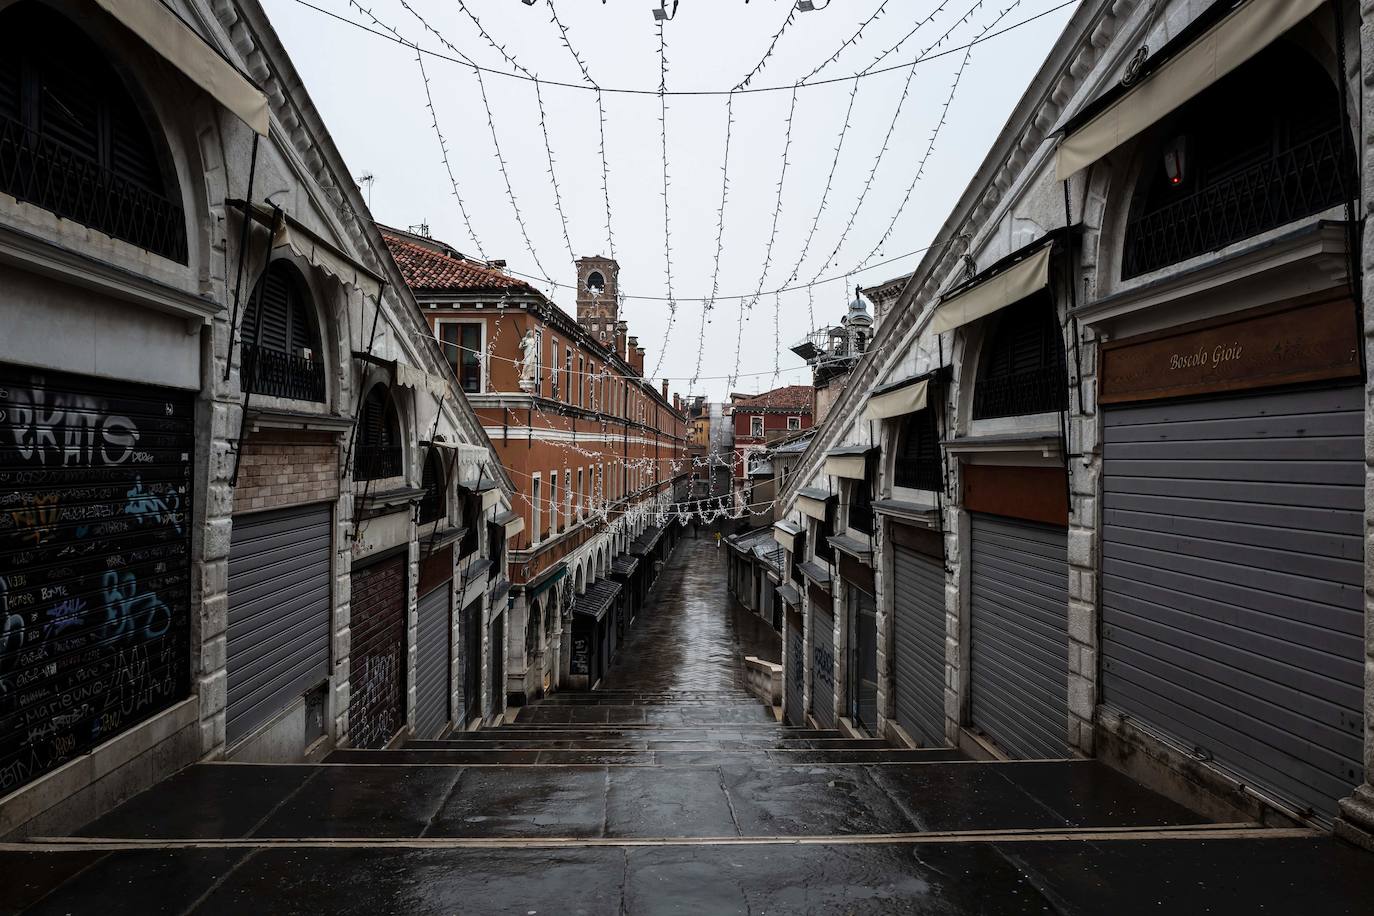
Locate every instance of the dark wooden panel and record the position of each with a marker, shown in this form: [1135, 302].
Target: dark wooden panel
[1033, 494]
[435, 569]
[821, 598]
[861, 574]
[922, 540]
[1305, 341]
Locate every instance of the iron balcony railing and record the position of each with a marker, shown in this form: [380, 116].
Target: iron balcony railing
[1020, 393]
[45, 172]
[282, 375]
[1304, 179]
[376, 462]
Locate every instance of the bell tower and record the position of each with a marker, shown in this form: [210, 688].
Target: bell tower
[598, 307]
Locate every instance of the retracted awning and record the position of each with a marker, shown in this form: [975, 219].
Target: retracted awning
[1025, 277]
[903, 398]
[409, 377]
[1222, 48]
[786, 534]
[596, 600]
[179, 45]
[812, 503]
[513, 522]
[849, 462]
[316, 251]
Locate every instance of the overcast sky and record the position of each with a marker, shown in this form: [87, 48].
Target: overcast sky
[371, 95]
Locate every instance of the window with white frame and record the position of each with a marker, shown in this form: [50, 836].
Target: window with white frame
[536, 495]
[567, 497]
[462, 345]
[756, 427]
[553, 503]
[581, 493]
[794, 423]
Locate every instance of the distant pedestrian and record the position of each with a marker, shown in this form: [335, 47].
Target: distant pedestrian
[718, 540]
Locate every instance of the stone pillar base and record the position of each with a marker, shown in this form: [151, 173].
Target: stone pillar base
[1356, 823]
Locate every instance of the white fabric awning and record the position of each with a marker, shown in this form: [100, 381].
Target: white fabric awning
[514, 527]
[490, 498]
[326, 257]
[850, 467]
[786, 535]
[180, 46]
[1223, 48]
[1012, 285]
[408, 376]
[810, 505]
[904, 400]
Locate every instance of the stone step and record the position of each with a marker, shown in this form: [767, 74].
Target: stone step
[622, 715]
[650, 744]
[237, 801]
[690, 756]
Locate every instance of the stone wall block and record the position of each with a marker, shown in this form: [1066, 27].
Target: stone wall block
[1082, 622]
[214, 615]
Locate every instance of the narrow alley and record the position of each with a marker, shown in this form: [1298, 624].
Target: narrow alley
[670, 790]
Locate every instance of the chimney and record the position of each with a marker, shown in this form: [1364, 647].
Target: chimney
[665, 389]
[634, 354]
[620, 329]
[497, 264]
[677, 402]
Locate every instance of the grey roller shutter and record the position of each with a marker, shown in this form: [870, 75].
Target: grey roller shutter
[919, 631]
[863, 664]
[1019, 642]
[1232, 586]
[795, 709]
[433, 662]
[278, 639]
[823, 668]
[472, 661]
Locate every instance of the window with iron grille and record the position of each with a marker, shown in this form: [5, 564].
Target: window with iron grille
[379, 437]
[798, 558]
[74, 141]
[433, 503]
[1021, 367]
[463, 348]
[1264, 146]
[917, 465]
[472, 523]
[281, 340]
[496, 548]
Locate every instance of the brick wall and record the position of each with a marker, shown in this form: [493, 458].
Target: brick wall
[280, 468]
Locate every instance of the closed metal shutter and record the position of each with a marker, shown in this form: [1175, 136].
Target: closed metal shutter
[377, 689]
[794, 709]
[498, 665]
[278, 639]
[1019, 598]
[95, 586]
[919, 631]
[863, 664]
[432, 662]
[1232, 584]
[823, 668]
[471, 627]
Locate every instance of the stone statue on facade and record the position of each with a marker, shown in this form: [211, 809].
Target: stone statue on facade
[529, 361]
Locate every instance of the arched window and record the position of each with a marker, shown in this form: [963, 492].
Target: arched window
[1262, 147]
[918, 452]
[434, 503]
[596, 283]
[74, 141]
[379, 437]
[281, 339]
[1021, 367]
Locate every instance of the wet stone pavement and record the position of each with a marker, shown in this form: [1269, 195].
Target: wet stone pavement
[671, 790]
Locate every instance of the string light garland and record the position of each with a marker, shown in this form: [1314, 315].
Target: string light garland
[709, 304]
[667, 231]
[679, 92]
[920, 24]
[768, 52]
[553, 176]
[935, 134]
[443, 154]
[883, 147]
[851, 40]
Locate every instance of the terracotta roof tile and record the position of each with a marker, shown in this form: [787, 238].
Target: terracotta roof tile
[792, 397]
[427, 269]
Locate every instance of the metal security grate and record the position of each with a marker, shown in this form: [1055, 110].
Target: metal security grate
[43, 171]
[1304, 179]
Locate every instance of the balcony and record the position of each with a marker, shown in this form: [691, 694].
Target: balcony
[46, 173]
[1302, 180]
[282, 375]
[377, 462]
[1020, 394]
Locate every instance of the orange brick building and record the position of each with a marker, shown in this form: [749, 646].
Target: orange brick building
[597, 452]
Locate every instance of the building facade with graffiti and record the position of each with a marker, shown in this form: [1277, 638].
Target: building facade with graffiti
[245, 509]
[596, 451]
[1099, 486]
